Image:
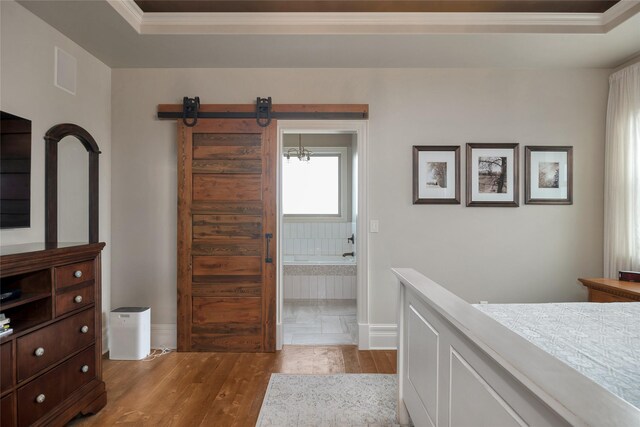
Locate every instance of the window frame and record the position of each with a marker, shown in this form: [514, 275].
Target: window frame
[343, 155]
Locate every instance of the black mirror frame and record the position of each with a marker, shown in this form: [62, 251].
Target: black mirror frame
[52, 138]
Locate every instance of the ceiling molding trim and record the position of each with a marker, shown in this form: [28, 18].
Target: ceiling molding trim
[633, 59]
[619, 13]
[366, 23]
[336, 23]
[130, 11]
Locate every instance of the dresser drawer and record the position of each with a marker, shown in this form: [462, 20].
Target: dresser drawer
[74, 274]
[7, 412]
[6, 366]
[599, 296]
[74, 299]
[42, 394]
[40, 349]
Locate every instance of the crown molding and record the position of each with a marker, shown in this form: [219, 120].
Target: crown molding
[364, 23]
[343, 23]
[130, 11]
[619, 13]
[634, 59]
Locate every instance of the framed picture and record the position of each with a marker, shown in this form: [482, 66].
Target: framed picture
[548, 175]
[436, 174]
[492, 175]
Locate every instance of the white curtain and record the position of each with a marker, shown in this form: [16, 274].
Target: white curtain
[622, 173]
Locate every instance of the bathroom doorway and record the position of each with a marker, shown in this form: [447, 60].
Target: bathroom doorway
[321, 250]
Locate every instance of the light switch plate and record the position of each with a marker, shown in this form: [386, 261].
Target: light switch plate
[374, 226]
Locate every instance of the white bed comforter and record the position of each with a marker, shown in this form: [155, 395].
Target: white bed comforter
[601, 341]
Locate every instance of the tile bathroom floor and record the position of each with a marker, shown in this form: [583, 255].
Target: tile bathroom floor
[320, 322]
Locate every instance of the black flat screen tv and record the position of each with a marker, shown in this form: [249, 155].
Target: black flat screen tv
[15, 171]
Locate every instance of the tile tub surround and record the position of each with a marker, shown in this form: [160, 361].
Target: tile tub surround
[320, 322]
[311, 286]
[323, 280]
[320, 269]
[317, 238]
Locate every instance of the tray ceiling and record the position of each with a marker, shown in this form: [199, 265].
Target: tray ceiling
[544, 6]
[125, 38]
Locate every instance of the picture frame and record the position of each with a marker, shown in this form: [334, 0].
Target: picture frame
[436, 174]
[548, 175]
[492, 175]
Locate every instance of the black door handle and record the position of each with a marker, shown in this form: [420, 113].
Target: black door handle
[267, 258]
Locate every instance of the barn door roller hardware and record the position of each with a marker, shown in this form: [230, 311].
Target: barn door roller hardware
[264, 111]
[190, 107]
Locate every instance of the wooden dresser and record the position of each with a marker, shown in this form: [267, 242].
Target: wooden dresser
[610, 290]
[50, 367]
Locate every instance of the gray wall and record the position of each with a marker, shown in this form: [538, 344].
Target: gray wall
[27, 75]
[525, 254]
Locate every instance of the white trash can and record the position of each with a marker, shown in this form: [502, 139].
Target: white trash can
[130, 333]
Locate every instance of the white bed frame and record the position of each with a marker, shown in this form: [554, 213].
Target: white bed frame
[458, 367]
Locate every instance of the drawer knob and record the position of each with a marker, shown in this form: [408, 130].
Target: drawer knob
[40, 398]
[78, 299]
[39, 352]
[84, 329]
[77, 274]
[85, 369]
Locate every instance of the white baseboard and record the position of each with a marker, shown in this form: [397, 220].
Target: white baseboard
[370, 337]
[164, 335]
[377, 337]
[279, 336]
[105, 339]
[363, 336]
[383, 337]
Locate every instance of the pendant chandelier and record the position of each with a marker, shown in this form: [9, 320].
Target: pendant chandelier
[300, 152]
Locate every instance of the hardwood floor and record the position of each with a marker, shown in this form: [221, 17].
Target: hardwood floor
[216, 389]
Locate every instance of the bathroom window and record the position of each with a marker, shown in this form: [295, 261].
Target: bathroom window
[316, 188]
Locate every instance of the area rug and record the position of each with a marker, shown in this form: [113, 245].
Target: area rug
[345, 400]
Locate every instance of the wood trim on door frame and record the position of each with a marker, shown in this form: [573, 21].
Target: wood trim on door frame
[185, 161]
[269, 221]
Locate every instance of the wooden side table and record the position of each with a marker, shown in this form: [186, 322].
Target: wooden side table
[609, 290]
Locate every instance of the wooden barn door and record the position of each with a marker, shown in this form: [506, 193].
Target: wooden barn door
[226, 262]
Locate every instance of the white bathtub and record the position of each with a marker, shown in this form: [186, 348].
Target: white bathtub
[318, 260]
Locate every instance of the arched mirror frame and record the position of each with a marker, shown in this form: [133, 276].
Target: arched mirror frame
[52, 138]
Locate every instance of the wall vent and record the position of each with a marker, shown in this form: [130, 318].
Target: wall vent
[65, 71]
